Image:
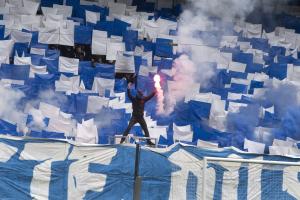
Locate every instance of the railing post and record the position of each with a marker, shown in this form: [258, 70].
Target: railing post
[137, 178]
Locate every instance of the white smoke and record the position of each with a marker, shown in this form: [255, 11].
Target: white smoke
[47, 96]
[191, 69]
[38, 122]
[9, 111]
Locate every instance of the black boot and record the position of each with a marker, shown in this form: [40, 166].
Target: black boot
[150, 143]
[123, 140]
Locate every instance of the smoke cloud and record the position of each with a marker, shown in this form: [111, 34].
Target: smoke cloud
[9, 110]
[193, 67]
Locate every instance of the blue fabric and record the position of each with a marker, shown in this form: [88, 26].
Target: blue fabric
[238, 88]
[246, 58]
[278, 71]
[148, 46]
[83, 35]
[52, 53]
[254, 67]
[52, 65]
[200, 109]
[105, 71]
[120, 27]
[8, 128]
[130, 38]
[36, 59]
[285, 59]
[259, 43]
[87, 73]
[15, 72]
[255, 84]
[107, 26]
[2, 30]
[163, 48]
[49, 3]
[275, 50]
[163, 63]
[145, 6]
[20, 48]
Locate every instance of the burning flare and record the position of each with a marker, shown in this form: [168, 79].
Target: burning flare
[160, 95]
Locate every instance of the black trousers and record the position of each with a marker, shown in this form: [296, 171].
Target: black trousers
[132, 122]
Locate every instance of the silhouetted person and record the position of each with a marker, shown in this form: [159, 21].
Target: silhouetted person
[138, 104]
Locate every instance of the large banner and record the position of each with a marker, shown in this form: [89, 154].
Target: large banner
[47, 169]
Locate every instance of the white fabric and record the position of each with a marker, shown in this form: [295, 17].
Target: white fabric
[112, 49]
[49, 110]
[4, 59]
[124, 63]
[205, 144]
[34, 69]
[283, 143]
[150, 29]
[234, 96]
[2, 3]
[158, 131]
[234, 107]
[223, 59]
[11, 81]
[38, 51]
[87, 132]
[182, 133]
[66, 36]
[19, 36]
[147, 56]
[22, 60]
[229, 41]
[116, 8]
[34, 20]
[69, 65]
[66, 84]
[132, 20]
[53, 17]
[202, 97]
[48, 36]
[144, 71]
[92, 17]
[102, 84]
[244, 46]
[6, 47]
[240, 81]
[254, 147]
[64, 10]
[166, 25]
[96, 103]
[49, 11]
[99, 42]
[279, 150]
[4, 10]
[237, 67]
[60, 126]
[218, 115]
[30, 7]
[253, 30]
[7, 151]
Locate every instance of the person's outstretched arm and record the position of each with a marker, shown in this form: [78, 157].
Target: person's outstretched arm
[147, 98]
[128, 92]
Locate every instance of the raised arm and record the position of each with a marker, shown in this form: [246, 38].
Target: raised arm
[129, 93]
[147, 98]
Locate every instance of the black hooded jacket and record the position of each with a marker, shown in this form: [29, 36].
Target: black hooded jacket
[138, 103]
